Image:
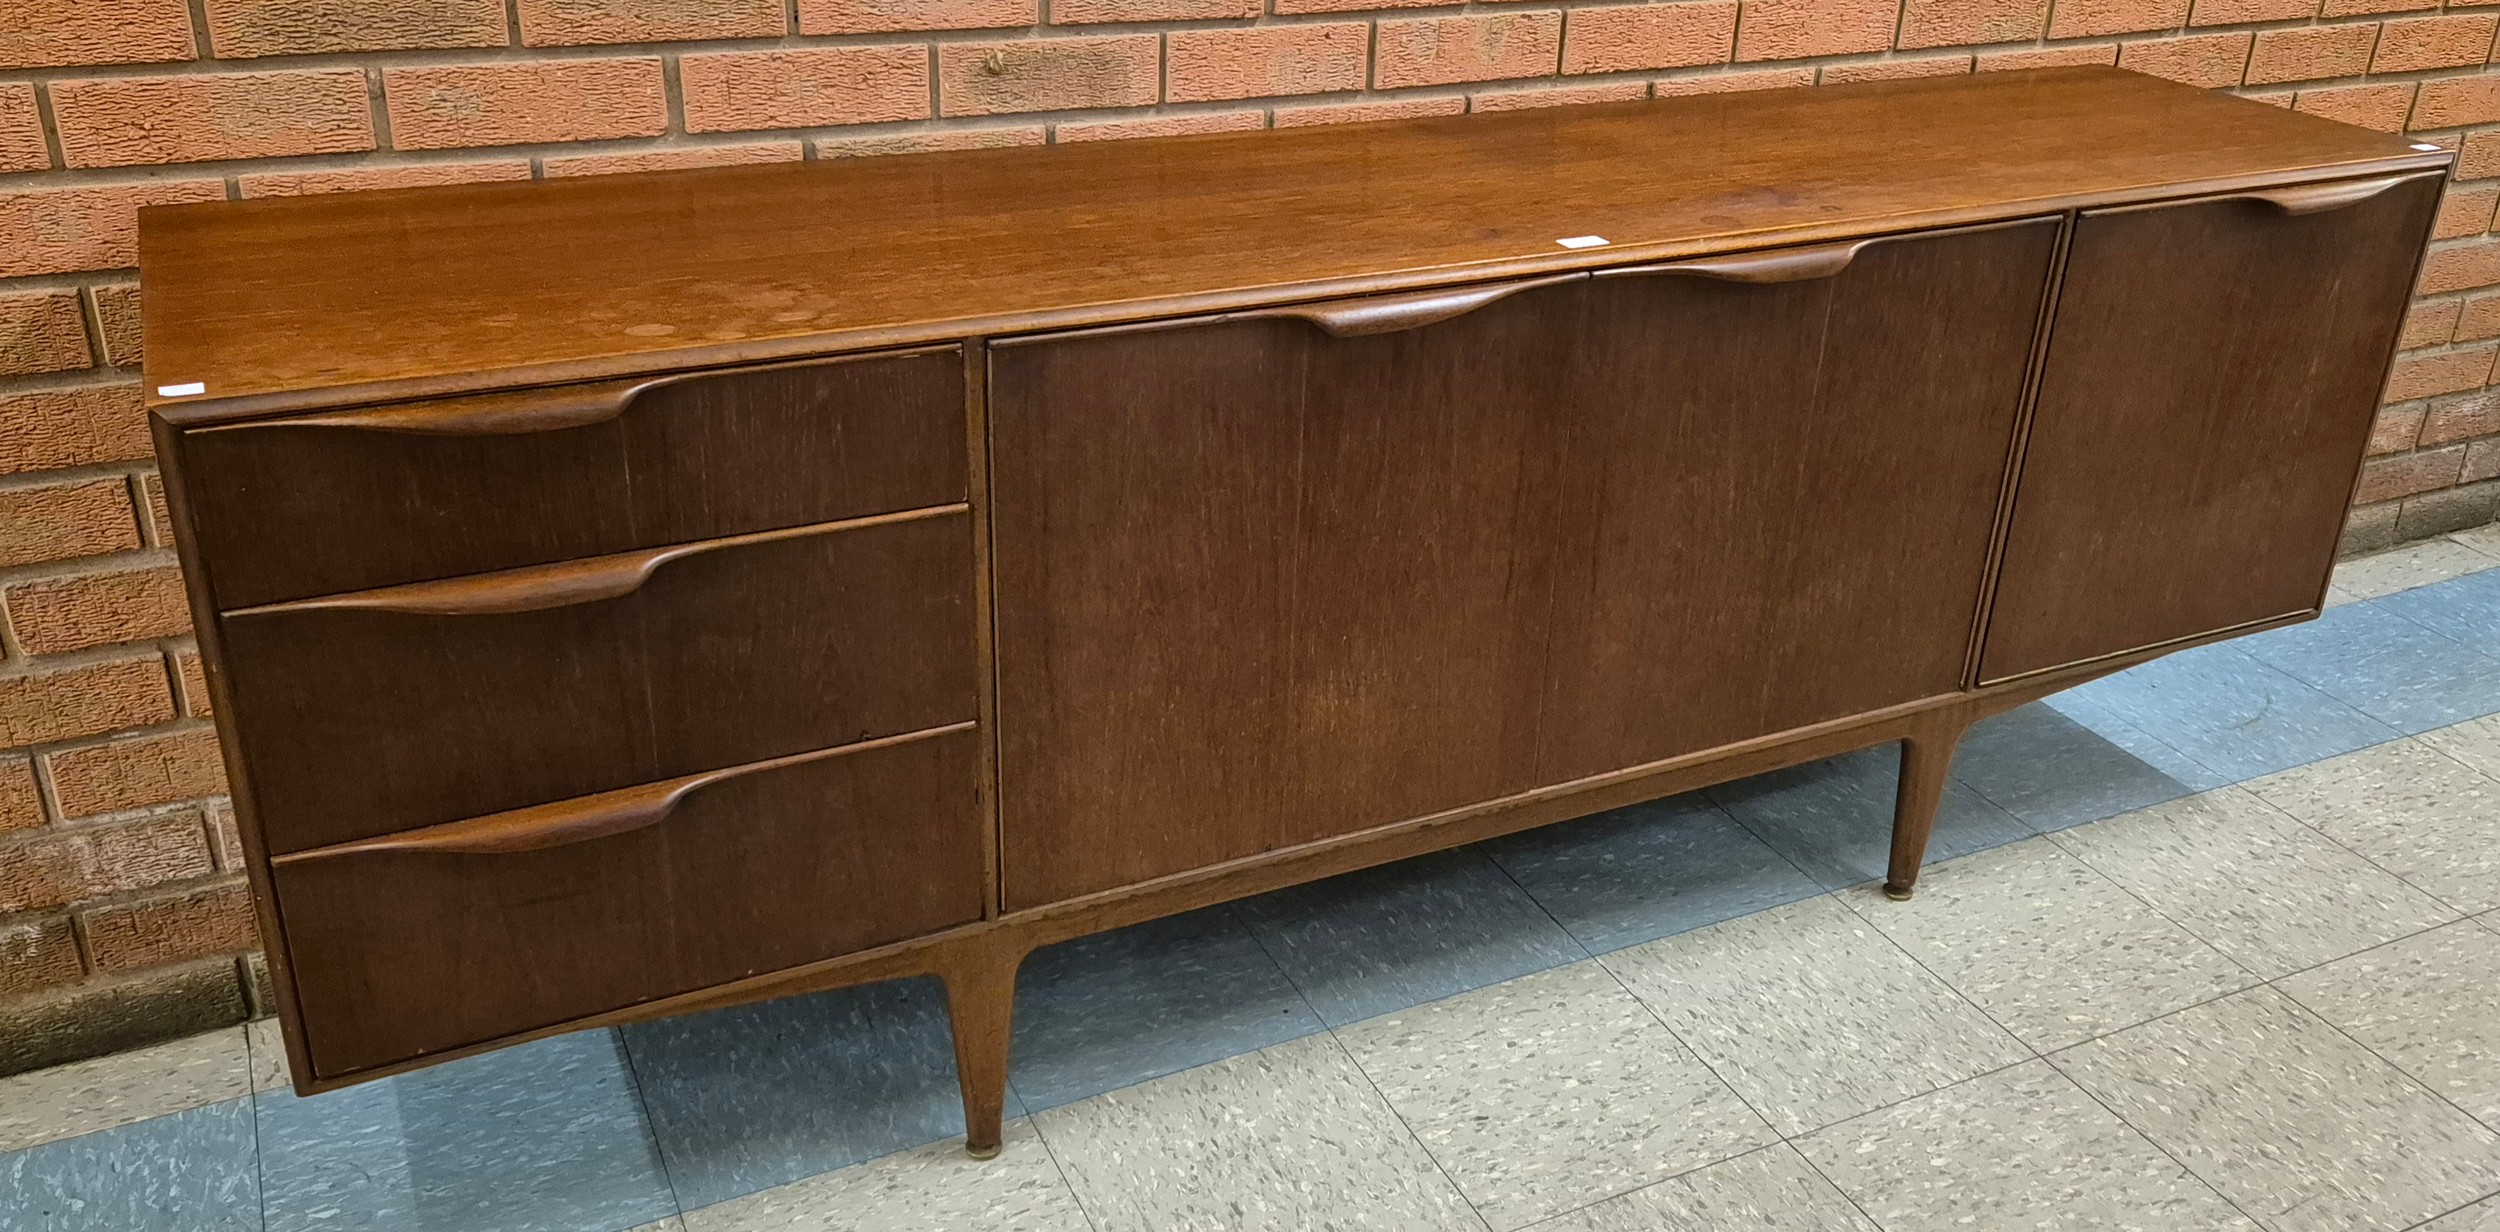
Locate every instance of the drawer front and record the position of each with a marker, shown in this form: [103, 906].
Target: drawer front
[328, 503]
[411, 706]
[398, 953]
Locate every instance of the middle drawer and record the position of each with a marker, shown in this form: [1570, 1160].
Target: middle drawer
[385, 710]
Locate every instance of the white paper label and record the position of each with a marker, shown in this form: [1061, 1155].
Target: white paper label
[2424, 145]
[192, 390]
[1583, 241]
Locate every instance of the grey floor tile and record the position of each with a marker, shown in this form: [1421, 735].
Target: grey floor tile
[546, 1137]
[2293, 1122]
[2414, 564]
[2483, 1216]
[1402, 934]
[2465, 609]
[2413, 810]
[671, 1224]
[265, 1042]
[2048, 947]
[2430, 1004]
[931, 1188]
[2266, 890]
[1812, 1015]
[80, 1098]
[1833, 818]
[2475, 742]
[2385, 666]
[1290, 1137]
[1649, 871]
[760, 1095]
[1103, 1012]
[1549, 1091]
[2484, 539]
[190, 1171]
[2226, 711]
[2020, 1148]
[1770, 1190]
[2052, 772]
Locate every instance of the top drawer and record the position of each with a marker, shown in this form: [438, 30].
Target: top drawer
[350, 500]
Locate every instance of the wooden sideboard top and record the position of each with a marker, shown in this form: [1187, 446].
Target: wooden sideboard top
[290, 303]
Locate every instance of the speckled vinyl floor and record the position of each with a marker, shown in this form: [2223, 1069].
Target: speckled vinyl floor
[2214, 943]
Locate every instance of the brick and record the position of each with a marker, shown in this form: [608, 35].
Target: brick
[2461, 418]
[1532, 97]
[2459, 266]
[2352, 8]
[172, 928]
[1957, 23]
[2478, 156]
[2234, 12]
[89, 227]
[105, 1016]
[2479, 318]
[2466, 210]
[2382, 107]
[160, 523]
[2309, 53]
[241, 29]
[42, 331]
[2092, 18]
[361, 179]
[2424, 374]
[125, 121]
[2429, 324]
[44, 33]
[1160, 126]
[21, 130]
[2452, 101]
[64, 521]
[38, 954]
[1619, 38]
[261, 991]
[44, 869]
[1433, 51]
[930, 141]
[1795, 29]
[2271, 98]
[1049, 74]
[87, 700]
[1732, 83]
[450, 106]
[2482, 461]
[2396, 429]
[136, 773]
[46, 429]
[563, 23]
[1083, 12]
[2463, 507]
[117, 321]
[876, 16]
[225, 840]
[1896, 68]
[2368, 529]
[2047, 57]
[814, 87]
[58, 614]
[191, 679]
[2415, 44]
[2404, 474]
[21, 806]
[1265, 61]
[740, 155]
[2197, 59]
[1361, 113]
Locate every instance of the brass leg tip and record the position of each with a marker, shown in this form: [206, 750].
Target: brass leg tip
[1897, 893]
[981, 1152]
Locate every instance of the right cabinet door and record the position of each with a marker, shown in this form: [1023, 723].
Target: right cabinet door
[2211, 377]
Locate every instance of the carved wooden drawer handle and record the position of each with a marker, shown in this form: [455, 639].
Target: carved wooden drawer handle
[565, 822]
[543, 410]
[2319, 198]
[1383, 314]
[1777, 265]
[535, 588]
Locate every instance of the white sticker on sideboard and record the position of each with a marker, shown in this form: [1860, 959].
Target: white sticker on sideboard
[190, 390]
[1583, 241]
[2424, 145]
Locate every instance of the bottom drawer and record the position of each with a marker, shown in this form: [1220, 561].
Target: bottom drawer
[457, 934]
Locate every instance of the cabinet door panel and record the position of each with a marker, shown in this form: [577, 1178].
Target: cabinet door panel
[2211, 378]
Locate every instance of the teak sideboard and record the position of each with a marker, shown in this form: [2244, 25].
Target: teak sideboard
[628, 596]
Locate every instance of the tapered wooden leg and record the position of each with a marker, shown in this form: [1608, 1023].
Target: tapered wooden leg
[980, 1004]
[1924, 759]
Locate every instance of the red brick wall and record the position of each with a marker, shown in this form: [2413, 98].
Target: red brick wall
[121, 912]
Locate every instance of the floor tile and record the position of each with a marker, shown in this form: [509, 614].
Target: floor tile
[1833, 818]
[2262, 888]
[2293, 1122]
[671, 1224]
[931, 1188]
[1290, 1137]
[546, 1137]
[2483, 1216]
[2413, 810]
[1811, 1015]
[1402, 934]
[1649, 871]
[2052, 772]
[2483, 539]
[2048, 947]
[1770, 1190]
[2384, 666]
[760, 1095]
[85, 1096]
[2021, 1148]
[2475, 742]
[2429, 1004]
[266, 1043]
[191, 1171]
[2465, 610]
[1103, 1012]
[2414, 564]
[1549, 1091]
[2227, 712]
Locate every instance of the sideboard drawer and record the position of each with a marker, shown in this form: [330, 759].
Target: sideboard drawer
[409, 706]
[476, 930]
[370, 497]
